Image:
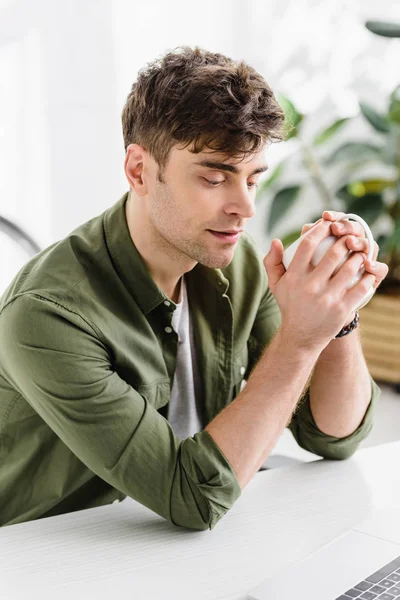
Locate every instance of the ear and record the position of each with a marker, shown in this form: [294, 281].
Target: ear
[134, 166]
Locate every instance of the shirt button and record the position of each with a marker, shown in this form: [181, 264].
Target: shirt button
[242, 370]
[167, 303]
[168, 329]
[115, 501]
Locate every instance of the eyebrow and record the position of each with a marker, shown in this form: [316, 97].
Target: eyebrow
[225, 167]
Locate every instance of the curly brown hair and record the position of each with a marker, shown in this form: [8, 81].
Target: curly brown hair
[192, 96]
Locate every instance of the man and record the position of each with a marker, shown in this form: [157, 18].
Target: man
[124, 346]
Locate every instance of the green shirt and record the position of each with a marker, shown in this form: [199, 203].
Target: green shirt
[87, 360]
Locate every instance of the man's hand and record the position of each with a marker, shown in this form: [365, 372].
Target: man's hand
[356, 241]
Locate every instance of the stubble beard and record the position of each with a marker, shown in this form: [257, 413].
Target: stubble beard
[172, 240]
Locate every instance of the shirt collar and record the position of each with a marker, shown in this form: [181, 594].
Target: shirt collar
[131, 268]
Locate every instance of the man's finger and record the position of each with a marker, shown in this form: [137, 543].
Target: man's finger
[308, 226]
[273, 263]
[349, 226]
[333, 215]
[308, 245]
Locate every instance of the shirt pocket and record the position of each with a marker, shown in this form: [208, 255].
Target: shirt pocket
[239, 370]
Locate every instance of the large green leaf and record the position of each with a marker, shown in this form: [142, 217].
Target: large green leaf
[386, 247]
[383, 28]
[293, 117]
[377, 120]
[381, 240]
[364, 198]
[329, 131]
[392, 243]
[344, 195]
[394, 107]
[281, 203]
[353, 151]
[370, 186]
[368, 207]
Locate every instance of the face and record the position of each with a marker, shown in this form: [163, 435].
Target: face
[203, 202]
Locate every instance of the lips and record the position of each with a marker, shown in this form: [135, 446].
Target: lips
[230, 236]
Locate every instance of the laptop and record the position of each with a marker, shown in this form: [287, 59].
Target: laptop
[363, 563]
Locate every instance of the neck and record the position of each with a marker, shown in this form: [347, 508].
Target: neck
[165, 265]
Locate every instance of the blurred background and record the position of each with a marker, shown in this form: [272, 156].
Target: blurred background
[67, 67]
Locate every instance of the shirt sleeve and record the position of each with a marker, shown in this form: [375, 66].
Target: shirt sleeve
[311, 438]
[56, 360]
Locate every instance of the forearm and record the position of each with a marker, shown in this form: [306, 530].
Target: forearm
[247, 429]
[340, 388]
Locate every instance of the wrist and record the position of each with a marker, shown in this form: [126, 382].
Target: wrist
[346, 329]
[350, 318]
[295, 348]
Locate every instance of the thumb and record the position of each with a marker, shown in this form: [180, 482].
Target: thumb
[273, 263]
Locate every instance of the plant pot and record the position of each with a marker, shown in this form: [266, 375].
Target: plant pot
[380, 336]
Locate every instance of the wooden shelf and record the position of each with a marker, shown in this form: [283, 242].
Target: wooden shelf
[380, 337]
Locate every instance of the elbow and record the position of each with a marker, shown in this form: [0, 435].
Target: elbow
[330, 449]
[335, 450]
[204, 487]
[341, 453]
[193, 524]
[189, 515]
[195, 513]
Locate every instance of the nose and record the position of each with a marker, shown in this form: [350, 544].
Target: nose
[242, 203]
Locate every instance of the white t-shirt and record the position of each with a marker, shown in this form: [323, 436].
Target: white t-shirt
[185, 409]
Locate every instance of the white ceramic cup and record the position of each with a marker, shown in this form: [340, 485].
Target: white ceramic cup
[326, 244]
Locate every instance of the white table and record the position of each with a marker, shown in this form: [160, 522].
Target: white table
[126, 551]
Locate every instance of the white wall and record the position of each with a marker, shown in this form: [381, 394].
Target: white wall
[67, 66]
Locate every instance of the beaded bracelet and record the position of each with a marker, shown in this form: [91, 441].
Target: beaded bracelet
[350, 327]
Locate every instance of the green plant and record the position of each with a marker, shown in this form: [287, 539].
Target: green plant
[349, 190]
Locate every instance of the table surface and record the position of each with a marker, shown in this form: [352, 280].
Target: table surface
[281, 517]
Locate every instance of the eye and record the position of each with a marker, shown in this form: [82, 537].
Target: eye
[214, 182]
[251, 184]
